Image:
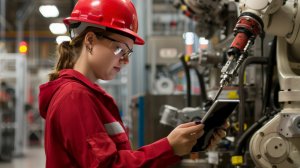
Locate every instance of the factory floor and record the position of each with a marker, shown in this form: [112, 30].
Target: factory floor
[34, 158]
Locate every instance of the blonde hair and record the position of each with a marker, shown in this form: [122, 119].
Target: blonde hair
[68, 52]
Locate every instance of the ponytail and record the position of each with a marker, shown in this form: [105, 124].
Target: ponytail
[68, 53]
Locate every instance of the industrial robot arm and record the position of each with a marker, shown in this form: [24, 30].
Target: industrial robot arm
[275, 17]
[248, 27]
[277, 143]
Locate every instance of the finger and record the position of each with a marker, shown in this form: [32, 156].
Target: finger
[192, 129]
[221, 133]
[197, 135]
[200, 134]
[211, 147]
[189, 124]
[194, 143]
[226, 124]
[213, 142]
[216, 139]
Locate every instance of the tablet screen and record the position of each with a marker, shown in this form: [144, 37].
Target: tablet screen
[220, 110]
[215, 117]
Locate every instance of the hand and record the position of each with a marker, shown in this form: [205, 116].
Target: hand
[184, 137]
[218, 135]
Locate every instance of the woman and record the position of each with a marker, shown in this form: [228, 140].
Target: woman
[83, 125]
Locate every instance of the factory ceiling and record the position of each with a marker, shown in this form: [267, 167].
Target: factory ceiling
[27, 13]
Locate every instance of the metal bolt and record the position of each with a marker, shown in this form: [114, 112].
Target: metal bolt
[258, 156]
[261, 134]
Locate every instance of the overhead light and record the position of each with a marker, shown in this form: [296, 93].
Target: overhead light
[49, 11]
[60, 39]
[58, 28]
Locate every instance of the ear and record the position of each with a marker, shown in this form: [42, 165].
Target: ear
[89, 39]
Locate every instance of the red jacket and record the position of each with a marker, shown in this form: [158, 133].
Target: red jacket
[84, 128]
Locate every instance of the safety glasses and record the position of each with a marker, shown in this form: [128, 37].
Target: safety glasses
[119, 51]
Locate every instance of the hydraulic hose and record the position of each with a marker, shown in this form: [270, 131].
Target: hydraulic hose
[242, 109]
[201, 85]
[188, 81]
[270, 73]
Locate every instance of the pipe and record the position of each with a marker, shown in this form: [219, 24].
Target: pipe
[270, 73]
[188, 81]
[248, 61]
[201, 85]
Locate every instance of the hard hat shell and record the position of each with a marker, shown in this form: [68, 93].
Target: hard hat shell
[119, 15]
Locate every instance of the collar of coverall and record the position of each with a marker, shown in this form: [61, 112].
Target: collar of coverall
[75, 75]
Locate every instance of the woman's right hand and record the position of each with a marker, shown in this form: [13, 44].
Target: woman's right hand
[184, 137]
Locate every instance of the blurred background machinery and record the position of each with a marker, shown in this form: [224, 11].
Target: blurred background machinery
[248, 48]
[12, 115]
[274, 140]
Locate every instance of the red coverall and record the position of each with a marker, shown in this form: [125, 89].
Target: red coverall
[84, 128]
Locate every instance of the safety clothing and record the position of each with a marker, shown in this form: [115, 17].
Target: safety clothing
[118, 15]
[84, 128]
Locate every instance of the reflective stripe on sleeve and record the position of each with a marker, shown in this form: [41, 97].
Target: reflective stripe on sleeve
[114, 128]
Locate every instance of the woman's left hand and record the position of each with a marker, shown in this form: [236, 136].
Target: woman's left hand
[218, 135]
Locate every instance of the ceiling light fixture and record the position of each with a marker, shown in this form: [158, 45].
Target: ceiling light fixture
[60, 39]
[49, 11]
[57, 28]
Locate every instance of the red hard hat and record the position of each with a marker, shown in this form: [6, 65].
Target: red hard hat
[119, 15]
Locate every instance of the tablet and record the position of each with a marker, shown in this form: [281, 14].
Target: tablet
[214, 118]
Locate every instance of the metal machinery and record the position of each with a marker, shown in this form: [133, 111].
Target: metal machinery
[146, 116]
[275, 135]
[276, 144]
